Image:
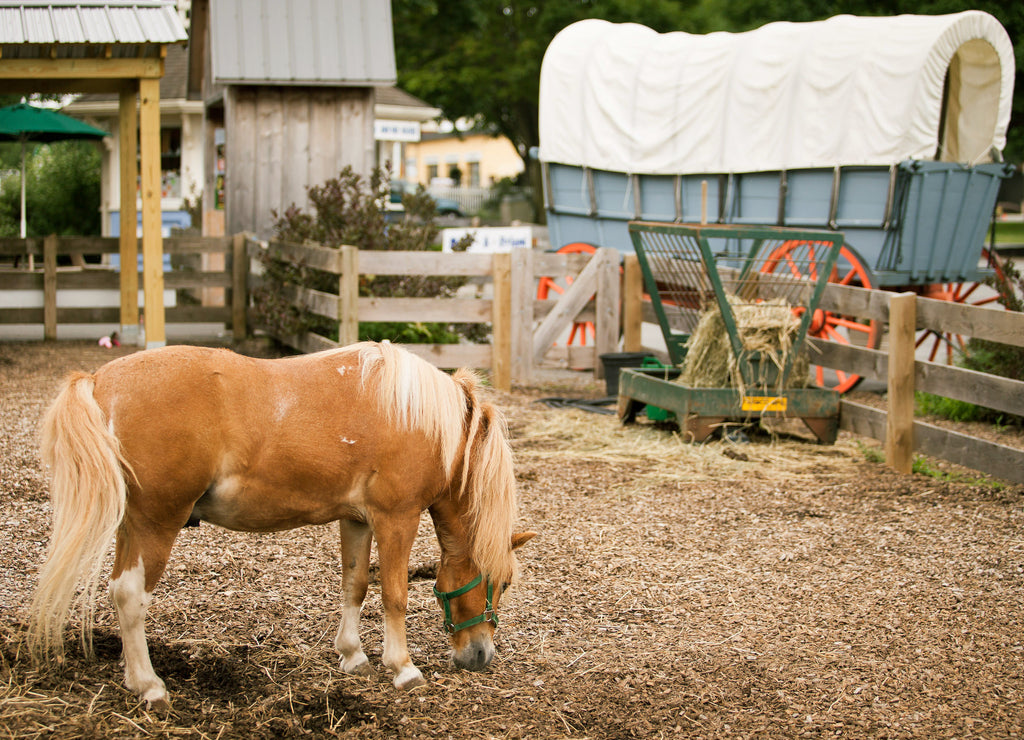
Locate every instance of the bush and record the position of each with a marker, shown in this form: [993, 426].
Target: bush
[988, 357]
[349, 210]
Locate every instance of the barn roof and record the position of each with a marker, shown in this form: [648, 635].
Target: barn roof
[302, 42]
[844, 91]
[72, 28]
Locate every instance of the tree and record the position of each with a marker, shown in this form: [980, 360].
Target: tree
[480, 59]
[62, 191]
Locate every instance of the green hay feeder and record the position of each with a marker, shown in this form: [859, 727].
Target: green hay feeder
[736, 324]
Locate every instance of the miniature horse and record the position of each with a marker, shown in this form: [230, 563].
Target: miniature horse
[367, 435]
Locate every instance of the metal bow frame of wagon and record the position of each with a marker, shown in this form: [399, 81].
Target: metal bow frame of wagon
[887, 129]
[61, 47]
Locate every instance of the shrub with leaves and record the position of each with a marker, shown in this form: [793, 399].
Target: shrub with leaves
[350, 210]
[988, 357]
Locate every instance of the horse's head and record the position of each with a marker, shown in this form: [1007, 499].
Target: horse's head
[470, 603]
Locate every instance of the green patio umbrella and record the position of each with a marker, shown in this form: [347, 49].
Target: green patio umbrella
[25, 123]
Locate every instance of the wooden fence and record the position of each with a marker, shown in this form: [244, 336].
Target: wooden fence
[187, 276]
[503, 295]
[523, 329]
[903, 435]
[904, 313]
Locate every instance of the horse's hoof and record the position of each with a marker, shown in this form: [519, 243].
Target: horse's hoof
[363, 669]
[157, 701]
[409, 678]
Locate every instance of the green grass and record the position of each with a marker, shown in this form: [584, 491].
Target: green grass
[1009, 232]
[922, 466]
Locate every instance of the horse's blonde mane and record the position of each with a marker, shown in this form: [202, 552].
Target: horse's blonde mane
[415, 394]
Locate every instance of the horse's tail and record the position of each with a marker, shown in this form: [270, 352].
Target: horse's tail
[88, 490]
[488, 479]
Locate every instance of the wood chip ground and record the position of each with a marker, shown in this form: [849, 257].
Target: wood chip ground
[773, 589]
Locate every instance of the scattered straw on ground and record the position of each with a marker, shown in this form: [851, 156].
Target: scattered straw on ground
[773, 589]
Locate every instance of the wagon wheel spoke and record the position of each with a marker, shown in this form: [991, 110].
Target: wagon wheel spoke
[848, 270]
[938, 344]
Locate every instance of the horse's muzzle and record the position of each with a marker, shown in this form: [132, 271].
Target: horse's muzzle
[475, 656]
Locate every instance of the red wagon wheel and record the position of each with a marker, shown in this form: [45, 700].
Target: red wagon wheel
[547, 285]
[940, 344]
[832, 327]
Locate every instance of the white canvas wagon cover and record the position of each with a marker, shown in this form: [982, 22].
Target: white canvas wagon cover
[843, 91]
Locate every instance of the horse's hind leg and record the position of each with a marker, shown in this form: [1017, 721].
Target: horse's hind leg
[356, 538]
[139, 560]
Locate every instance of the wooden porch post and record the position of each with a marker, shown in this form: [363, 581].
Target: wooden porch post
[129, 242]
[152, 240]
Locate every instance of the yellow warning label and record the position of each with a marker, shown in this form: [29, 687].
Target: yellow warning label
[764, 403]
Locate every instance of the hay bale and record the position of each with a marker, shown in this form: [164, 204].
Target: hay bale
[766, 330]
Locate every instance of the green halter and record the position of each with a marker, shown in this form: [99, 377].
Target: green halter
[489, 614]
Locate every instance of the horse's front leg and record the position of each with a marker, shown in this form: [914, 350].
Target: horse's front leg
[394, 543]
[356, 538]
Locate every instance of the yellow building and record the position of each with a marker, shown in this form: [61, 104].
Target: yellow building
[479, 158]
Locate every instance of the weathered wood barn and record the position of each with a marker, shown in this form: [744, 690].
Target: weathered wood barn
[289, 93]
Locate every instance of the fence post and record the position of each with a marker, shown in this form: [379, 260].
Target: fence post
[632, 304]
[501, 321]
[50, 287]
[523, 291]
[348, 296]
[239, 287]
[607, 306]
[899, 426]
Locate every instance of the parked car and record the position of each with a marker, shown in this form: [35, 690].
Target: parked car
[445, 206]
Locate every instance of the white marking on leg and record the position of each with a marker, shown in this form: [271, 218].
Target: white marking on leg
[131, 600]
[396, 654]
[353, 659]
[347, 441]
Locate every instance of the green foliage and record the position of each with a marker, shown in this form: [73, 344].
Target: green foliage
[480, 59]
[922, 466]
[62, 191]
[927, 404]
[349, 210]
[988, 357]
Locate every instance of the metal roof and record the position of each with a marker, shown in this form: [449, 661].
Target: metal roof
[36, 29]
[302, 42]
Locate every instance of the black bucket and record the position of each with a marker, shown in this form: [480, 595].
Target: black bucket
[612, 362]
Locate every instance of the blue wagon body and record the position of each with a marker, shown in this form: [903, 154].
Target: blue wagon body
[914, 223]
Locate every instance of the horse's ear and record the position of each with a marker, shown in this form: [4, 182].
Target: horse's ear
[521, 538]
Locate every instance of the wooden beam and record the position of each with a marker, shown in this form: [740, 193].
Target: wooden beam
[632, 304]
[50, 287]
[122, 68]
[128, 137]
[606, 327]
[152, 240]
[523, 291]
[567, 307]
[348, 297]
[899, 429]
[239, 287]
[501, 323]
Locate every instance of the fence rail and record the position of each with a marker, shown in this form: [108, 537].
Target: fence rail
[523, 327]
[69, 292]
